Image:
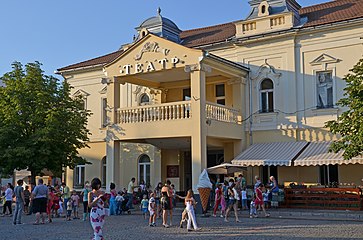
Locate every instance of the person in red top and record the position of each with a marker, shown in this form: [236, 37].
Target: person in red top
[50, 204]
[218, 199]
[259, 199]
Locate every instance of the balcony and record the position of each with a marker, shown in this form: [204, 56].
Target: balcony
[175, 111]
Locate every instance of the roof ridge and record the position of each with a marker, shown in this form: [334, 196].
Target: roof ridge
[203, 28]
[325, 3]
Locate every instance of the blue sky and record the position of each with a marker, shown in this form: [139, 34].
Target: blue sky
[60, 33]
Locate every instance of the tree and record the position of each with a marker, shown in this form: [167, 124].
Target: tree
[349, 124]
[41, 126]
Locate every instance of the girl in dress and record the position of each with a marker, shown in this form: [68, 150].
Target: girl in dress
[190, 203]
[96, 203]
[259, 199]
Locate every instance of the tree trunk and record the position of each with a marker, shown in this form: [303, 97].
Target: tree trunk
[32, 178]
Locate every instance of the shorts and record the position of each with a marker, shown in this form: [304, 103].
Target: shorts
[152, 213]
[144, 210]
[75, 208]
[40, 205]
[165, 203]
[244, 202]
[231, 202]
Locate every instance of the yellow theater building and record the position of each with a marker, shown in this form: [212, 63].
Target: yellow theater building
[256, 92]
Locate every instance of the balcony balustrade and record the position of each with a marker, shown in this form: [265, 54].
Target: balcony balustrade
[174, 111]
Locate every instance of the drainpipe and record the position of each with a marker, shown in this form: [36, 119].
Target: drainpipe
[250, 108]
[250, 117]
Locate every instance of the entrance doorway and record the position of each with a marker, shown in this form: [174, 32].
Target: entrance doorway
[328, 174]
[268, 171]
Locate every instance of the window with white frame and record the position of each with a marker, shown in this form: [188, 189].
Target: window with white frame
[267, 96]
[103, 171]
[79, 176]
[324, 85]
[144, 168]
[220, 94]
[104, 112]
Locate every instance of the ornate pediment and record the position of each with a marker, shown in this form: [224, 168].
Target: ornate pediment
[324, 59]
[80, 92]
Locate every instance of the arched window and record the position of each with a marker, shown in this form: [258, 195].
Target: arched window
[144, 168]
[144, 99]
[103, 170]
[267, 95]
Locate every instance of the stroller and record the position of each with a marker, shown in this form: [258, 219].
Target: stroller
[122, 207]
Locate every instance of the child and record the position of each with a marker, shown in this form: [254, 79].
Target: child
[152, 210]
[119, 199]
[266, 198]
[218, 197]
[253, 212]
[27, 199]
[144, 205]
[75, 204]
[244, 198]
[173, 195]
[69, 209]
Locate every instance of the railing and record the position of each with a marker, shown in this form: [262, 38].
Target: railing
[221, 113]
[324, 198]
[151, 113]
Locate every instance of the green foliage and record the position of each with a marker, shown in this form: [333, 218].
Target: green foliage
[349, 125]
[41, 126]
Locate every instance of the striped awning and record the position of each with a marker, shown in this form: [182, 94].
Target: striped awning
[270, 154]
[317, 153]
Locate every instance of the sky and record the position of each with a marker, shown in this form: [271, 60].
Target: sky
[60, 33]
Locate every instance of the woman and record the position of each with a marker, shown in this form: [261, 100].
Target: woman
[189, 206]
[157, 192]
[273, 185]
[218, 197]
[166, 203]
[232, 202]
[97, 214]
[113, 199]
[8, 199]
[259, 199]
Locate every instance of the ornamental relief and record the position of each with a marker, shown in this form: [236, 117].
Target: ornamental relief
[266, 71]
[151, 47]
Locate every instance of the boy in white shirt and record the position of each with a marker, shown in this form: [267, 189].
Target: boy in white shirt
[244, 198]
[152, 209]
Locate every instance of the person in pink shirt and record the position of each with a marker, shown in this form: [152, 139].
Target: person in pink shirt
[75, 201]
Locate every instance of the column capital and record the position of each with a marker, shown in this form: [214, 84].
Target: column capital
[197, 67]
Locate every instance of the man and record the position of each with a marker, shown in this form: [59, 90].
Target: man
[66, 194]
[40, 200]
[20, 200]
[130, 191]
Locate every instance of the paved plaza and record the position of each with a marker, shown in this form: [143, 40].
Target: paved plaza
[135, 227]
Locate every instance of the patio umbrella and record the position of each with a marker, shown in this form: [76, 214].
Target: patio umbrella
[226, 169]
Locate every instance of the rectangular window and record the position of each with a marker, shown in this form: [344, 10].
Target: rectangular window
[104, 112]
[220, 94]
[328, 174]
[267, 101]
[324, 84]
[186, 94]
[79, 176]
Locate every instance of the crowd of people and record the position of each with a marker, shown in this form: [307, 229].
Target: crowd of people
[232, 194]
[47, 202]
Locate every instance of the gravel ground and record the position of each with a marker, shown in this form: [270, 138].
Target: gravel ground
[135, 227]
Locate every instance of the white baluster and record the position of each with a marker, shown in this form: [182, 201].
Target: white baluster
[177, 111]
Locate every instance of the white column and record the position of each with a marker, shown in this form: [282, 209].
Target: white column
[112, 163]
[199, 138]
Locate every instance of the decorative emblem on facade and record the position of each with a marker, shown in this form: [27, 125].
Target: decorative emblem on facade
[151, 47]
[267, 71]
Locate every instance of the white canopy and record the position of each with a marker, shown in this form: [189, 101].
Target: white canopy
[226, 169]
